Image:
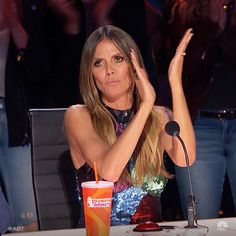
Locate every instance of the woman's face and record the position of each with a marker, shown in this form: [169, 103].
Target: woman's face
[111, 72]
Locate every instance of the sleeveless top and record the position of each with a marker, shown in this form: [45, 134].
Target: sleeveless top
[130, 204]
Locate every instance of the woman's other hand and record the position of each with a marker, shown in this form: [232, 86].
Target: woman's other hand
[176, 65]
[143, 84]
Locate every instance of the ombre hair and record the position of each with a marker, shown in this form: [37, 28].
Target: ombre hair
[148, 155]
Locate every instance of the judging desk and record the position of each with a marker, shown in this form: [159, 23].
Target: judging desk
[219, 226]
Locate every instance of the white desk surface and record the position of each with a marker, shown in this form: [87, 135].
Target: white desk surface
[220, 226]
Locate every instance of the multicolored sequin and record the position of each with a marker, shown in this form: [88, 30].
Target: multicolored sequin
[130, 204]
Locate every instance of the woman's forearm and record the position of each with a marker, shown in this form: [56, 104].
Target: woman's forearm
[116, 158]
[181, 115]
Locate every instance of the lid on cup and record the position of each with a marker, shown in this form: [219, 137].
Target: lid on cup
[100, 184]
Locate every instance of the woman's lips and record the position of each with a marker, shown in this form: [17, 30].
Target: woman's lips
[112, 82]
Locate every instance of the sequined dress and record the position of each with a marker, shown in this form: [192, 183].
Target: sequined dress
[130, 204]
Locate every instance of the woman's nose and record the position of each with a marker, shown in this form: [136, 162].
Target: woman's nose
[110, 70]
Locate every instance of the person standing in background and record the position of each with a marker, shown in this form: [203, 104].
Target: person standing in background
[27, 79]
[209, 81]
[15, 160]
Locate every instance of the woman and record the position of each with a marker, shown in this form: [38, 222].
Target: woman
[120, 128]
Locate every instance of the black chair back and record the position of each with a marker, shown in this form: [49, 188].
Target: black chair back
[53, 171]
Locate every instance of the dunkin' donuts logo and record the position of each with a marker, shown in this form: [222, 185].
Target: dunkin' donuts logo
[99, 202]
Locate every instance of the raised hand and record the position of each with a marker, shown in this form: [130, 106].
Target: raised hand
[176, 65]
[143, 84]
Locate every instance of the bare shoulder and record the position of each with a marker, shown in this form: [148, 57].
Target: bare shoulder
[78, 111]
[164, 114]
[77, 117]
[75, 109]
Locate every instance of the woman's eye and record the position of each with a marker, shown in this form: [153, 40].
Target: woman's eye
[98, 63]
[118, 58]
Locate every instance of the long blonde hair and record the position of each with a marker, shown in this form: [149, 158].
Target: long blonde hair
[149, 157]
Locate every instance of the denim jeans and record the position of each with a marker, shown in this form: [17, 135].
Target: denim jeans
[4, 213]
[216, 156]
[16, 175]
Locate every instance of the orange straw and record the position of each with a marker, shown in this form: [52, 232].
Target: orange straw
[95, 171]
